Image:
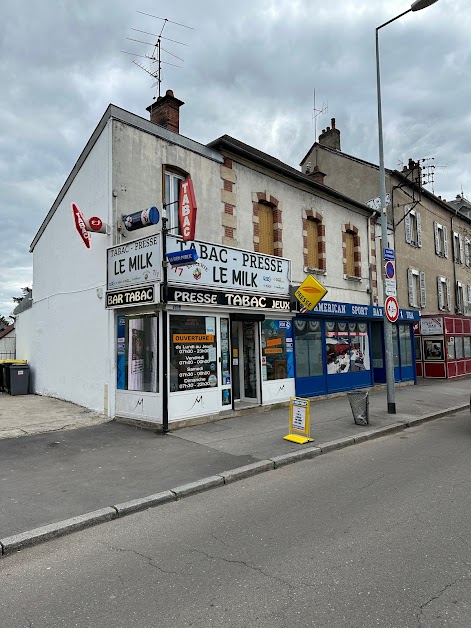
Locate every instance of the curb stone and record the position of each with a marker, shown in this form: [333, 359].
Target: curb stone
[136, 505]
[45, 533]
[295, 456]
[197, 487]
[247, 471]
[337, 444]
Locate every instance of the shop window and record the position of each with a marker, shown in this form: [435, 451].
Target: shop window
[137, 353]
[433, 349]
[266, 229]
[412, 226]
[441, 239]
[418, 348]
[277, 350]
[347, 347]
[172, 197]
[193, 353]
[450, 345]
[405, 345]
[459, 347]
[308, 337]
[467, 346]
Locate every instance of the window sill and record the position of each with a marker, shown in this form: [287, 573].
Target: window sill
[352, 278]
[314, 271]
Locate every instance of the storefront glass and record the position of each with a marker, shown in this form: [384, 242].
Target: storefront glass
[467, 346]
[450, 343]
[308, 348]
[405, 345]
[347, 347]
[137, 353]
[459, 346]
[193, 352]
[277, 350]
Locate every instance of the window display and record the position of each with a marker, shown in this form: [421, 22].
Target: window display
[277, 350]
[433, 349]
[137, 353]
[308, 335]
[193, 352]
[347, 347]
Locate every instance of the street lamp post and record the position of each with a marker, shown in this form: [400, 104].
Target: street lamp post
[388, 344]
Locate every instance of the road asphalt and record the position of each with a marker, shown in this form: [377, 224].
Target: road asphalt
[63, 468]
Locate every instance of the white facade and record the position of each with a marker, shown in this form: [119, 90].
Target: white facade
[76, 346]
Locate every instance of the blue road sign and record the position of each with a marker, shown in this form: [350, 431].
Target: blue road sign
[182, 258]
[388, 254]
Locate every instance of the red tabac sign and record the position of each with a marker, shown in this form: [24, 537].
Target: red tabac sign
[187, 210]
[80, 225]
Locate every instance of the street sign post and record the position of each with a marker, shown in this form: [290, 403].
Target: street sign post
[391, 309]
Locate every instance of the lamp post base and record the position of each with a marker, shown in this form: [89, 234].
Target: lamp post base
[391, 408]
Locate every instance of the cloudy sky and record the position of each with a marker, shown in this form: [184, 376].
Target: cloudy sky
[249, 69]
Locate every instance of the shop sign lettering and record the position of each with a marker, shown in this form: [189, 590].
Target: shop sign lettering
[206, 297]
[137, 296]
[134, 263]
[225, 268]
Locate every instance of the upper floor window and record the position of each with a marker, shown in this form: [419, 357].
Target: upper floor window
[441, 239]
[266, 229]
[349, 254]
[417, 290]
[172, 197]
[467, 252]
[458, 248]
[312, 229]
[444, 293]
[412, 226]
[460, 295]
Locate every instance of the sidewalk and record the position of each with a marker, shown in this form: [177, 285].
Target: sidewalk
[56, 475]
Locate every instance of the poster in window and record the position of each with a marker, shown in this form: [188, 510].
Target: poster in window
[433, 349]
[193, 363]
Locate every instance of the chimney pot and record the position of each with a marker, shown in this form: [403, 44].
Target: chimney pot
[332, 122]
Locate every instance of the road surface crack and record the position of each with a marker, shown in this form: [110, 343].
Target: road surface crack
[436, 597]
[149, 559]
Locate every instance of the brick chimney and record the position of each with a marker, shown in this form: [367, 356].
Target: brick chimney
[317, 175]
[330, 136]
[165, 111]
[413, 171]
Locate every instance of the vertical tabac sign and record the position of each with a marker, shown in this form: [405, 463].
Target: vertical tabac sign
[187, 210]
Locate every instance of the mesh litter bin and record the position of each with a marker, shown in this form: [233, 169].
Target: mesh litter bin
[359, 403]
[19, 379]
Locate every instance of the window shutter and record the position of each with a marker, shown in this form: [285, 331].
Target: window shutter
[312, 244]
[448, 295]
[459, 296]
[350, 255]
[440, 293]
[461, 249]
[438, 249]
[265, 229]
[410, 281]
[445, 241]
[418, 220]
[423, 292]
[466, 252]
[407, 224]
[469, 294]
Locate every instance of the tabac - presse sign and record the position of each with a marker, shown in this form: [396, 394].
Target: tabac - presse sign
[310, 292]
[187, 210]
[134, 263]
[225, 268]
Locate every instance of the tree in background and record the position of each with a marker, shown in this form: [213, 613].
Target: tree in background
[26, 292]
[4, 322]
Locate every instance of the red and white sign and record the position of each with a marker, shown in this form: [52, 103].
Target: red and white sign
[187, 210]
[96, 224]
[81, 226]
[391, 308]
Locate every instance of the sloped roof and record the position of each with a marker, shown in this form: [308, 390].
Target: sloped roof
[6, 331]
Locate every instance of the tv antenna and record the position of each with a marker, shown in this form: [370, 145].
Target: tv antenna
[317, 112]
[155, 58]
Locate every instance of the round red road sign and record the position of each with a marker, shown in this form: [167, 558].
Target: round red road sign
[391, 308]
[95, 223]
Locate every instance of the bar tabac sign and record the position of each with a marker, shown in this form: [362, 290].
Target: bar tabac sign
[310, 292]
[187, 210]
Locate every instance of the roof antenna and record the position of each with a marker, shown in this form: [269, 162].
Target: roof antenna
[318, 112]
[155, 58]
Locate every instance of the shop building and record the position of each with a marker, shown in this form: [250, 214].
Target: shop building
[116, 329]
